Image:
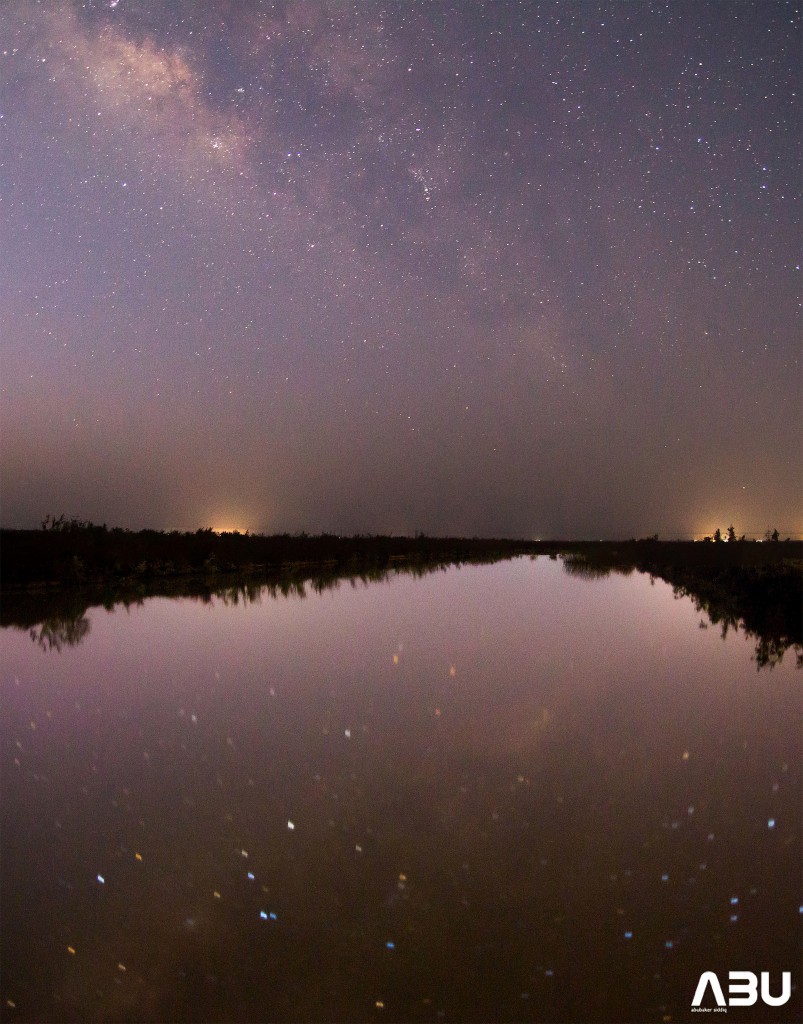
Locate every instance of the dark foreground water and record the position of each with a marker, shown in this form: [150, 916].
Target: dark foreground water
[492, 794]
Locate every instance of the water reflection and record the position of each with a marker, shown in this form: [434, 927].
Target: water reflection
[429, 799]
[773, 620]
[56, 618]
[579, 565]
[60, 631]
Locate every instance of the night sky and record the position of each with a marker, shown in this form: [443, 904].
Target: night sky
[523, 269]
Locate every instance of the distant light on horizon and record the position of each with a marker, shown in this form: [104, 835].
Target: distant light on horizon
[297, 284]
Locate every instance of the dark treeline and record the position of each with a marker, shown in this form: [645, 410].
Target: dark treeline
[56, 616]
[51, 577]
[82, 553]
[755, 586]
[75, 552]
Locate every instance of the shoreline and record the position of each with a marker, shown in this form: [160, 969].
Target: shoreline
[52, 578]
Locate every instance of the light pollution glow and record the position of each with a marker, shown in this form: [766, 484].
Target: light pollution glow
[482, 269]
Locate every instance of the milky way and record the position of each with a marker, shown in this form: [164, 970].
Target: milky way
[527, 269]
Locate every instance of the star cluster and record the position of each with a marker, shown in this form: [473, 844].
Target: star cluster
[512, 268]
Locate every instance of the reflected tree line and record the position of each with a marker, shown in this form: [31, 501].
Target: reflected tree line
[57, 618]
[61, 631]
[754, 587]
[77, 553]
[764, 601]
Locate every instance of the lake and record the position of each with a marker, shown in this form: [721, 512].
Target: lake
[499, 792]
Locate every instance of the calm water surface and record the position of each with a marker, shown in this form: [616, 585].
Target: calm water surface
[493, 793]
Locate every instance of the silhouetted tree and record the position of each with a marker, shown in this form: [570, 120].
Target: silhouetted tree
[59, 631]
[731, 534]
[717, 535]
[53, 522]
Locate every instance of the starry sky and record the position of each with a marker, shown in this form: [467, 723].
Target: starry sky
[507, 268]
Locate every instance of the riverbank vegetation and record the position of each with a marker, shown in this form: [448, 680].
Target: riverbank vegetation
[77, 553]
[51, 577]
[757, 587]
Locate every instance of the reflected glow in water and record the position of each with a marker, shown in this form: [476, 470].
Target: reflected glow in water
[492, 793]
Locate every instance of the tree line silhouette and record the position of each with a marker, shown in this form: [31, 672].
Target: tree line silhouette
[731, 538]
[76, 552]
[50, 577]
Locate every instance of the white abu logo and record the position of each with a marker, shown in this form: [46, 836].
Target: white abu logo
[742, 989]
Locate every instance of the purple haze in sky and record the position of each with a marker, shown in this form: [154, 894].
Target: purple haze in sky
[502, 268]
